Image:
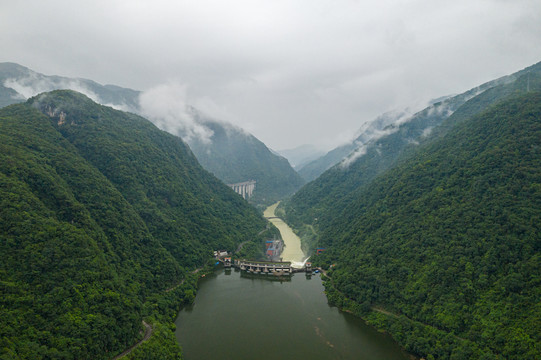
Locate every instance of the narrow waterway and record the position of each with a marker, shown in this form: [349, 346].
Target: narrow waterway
[292, 251]
[234, 317]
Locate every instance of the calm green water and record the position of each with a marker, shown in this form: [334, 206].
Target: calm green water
[239, 318]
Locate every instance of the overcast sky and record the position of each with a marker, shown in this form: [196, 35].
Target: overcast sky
[290, 72]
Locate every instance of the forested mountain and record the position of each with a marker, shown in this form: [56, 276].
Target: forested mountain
[232, 154]
[101, 213]
[340, 184]
[443, 250]
[449, 241]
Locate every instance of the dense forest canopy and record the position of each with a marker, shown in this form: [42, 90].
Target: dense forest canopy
[100, 214]
[236, 156]
[449, 240]
[341, 184]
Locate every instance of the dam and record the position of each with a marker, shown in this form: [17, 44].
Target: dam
[270, 268]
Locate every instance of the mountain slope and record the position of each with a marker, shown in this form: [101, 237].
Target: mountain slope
[370, 132]
[152, 185]
[422, 123]
[18, 83]
[449, 240]
[236, 155]
[100, 213]
[339, 184]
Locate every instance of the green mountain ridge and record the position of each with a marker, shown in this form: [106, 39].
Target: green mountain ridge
[381, 130]
[12, 74]
[340, 184]
[236, 155]
[101, 213]
[441, 246]
[369, 132]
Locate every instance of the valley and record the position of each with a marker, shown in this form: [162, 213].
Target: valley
[427, 227]
[437, 239]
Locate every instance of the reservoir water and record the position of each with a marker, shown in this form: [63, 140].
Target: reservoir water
[234, 317]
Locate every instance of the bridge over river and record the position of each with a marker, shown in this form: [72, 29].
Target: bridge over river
[244, 189]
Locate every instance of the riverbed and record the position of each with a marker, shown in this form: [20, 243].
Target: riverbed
[292, 251]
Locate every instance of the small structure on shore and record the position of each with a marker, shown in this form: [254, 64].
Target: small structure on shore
[274, 249]
[218, 254]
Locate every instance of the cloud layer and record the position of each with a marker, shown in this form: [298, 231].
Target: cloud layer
[167, 107]
[33, 84]
[290, 72]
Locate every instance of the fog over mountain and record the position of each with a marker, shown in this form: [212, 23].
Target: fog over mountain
[381, 126]
[291, 73]
[226, 150]
[301, 155]
[390, 122]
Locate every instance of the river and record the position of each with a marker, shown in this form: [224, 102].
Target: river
[234, 317]
[292, 251]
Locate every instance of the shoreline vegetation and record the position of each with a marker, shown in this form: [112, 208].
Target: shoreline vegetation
[448, 240]
[344, 304]
[104, 217]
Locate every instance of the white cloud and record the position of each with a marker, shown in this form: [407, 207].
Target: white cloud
[427, 132]
[279, 67]
[363, 147]
[167, 107]
[33, 84]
